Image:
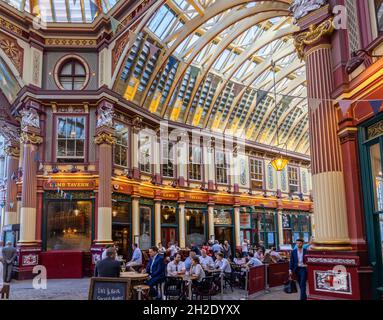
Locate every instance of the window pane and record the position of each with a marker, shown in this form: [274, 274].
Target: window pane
[70, 148]
[377, 177]
[80, 148]
[195, 227]
[79, 69]
[61, 148]
[379, 13]
[145, 227]
[67, 69]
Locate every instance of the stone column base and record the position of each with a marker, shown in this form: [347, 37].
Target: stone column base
[335, 275]
[28, 256]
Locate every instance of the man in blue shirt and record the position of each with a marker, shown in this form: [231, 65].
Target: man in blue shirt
[189, 259]
[136, 258]
[216, 247]
[298, 266]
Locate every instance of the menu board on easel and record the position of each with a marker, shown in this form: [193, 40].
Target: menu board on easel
[109, 289]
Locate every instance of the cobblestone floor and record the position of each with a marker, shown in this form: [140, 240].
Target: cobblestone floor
[77, 289]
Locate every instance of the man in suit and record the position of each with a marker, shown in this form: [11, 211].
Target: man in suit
[9, 257]
[109, 267]
[298, 267]
[156, 271]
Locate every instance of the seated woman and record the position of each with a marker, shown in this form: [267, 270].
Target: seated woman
[239, 260]
[196, 270]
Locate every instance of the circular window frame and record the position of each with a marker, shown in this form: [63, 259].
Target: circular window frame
[59, 65]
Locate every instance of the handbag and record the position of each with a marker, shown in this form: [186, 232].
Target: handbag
[290, 286]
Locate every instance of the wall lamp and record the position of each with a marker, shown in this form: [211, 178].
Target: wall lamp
[357, 59]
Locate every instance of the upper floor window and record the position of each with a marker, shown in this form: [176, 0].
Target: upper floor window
[195, 163]
[71, 73]
[144, 153]
[221, 167]
[256, 174]
[379, 14]
[167, 156]
[122, 144]
[293, 179]
[70, 139]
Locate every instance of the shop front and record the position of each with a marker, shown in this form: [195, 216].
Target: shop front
[224, 224]
[121, 224]
[295, 225]
[264, 222]
[196, 224]
[169, 222]
[246, 231]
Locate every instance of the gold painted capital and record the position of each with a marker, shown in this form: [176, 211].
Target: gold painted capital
[313, 36]
[28, 138]
[12, 151]
[105, 138]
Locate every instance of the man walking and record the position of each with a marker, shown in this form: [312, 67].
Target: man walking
[298, 267]
[9, 257]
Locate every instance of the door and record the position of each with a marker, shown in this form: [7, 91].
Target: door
[224, 233]
[245, 235]
[120, 237]
[168, 235]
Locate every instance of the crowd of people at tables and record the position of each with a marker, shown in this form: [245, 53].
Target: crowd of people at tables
[211, 258]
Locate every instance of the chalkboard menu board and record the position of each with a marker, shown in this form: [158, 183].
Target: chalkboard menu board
[109, 289]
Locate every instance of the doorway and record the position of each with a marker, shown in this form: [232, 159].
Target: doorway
[224, 233]
[168, 234]
[121, 236]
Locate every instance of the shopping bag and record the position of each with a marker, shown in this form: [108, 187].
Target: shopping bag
[290, 286]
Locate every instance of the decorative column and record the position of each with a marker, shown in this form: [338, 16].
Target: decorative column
[136, 217]
[104, 139]
[136, 127]
[12, 159]
[237, 226]
[210, 213]
[28, 247]
[209, 166]
[280, 226]
[181, 221]
[331, 251]
[157, 218]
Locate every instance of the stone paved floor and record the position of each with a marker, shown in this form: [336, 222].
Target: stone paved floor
[77, 289]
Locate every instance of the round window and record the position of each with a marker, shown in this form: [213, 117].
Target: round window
[72, 74]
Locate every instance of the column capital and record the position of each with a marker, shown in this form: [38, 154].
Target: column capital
[12, 151]
[348, 134]
[104, 138]
[313, 37]
[30, 138]
[137, 124]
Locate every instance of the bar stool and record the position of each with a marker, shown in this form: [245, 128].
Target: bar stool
[142, 288]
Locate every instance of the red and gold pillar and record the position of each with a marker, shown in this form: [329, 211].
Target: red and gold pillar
[12, 158]
[331, 255]
[104, 139]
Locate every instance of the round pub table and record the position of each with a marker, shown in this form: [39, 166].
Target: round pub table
[135, 279]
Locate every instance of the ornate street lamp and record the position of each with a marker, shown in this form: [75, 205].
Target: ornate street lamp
[280, 161]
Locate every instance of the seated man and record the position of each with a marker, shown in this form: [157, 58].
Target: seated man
[156, 271]
[188, 260]
[222, 263]
[176, 266]
[254, 261]
[136, 258]
[109, 267]
[205, 260]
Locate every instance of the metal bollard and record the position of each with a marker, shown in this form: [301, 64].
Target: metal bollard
[246, 297]
[267, 288]
[222, 275]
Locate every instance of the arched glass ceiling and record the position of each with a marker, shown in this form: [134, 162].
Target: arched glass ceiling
[74, 11]
[213, 69]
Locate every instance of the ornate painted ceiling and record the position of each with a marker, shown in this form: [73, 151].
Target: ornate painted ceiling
[224, 65]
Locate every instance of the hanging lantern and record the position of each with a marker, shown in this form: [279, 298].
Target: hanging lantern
[279, 162]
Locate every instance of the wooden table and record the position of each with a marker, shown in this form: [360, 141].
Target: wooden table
[188, 279]
[135, 279]
[214, 272]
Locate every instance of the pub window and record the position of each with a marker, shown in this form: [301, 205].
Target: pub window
[167, 156]
[145, 153]
[195, 227]
[145, 228]
[70, 139]
[121, 145]
[222, 167]
[293, 179]
[195, 163]
[69, 225]
[268, 229]
[256, 174]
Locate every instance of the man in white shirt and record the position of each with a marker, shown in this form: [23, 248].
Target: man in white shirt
[205, 260]
[136, 258]
[222, 264]
[254, 261]
[245, 248]
[298, 266]
[173, 249]
[176, 266]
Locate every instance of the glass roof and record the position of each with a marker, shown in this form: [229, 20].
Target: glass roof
[74, 11]
[213, 69]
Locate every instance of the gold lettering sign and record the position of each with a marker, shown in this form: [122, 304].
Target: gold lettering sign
[69, 185]
[196, 197]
